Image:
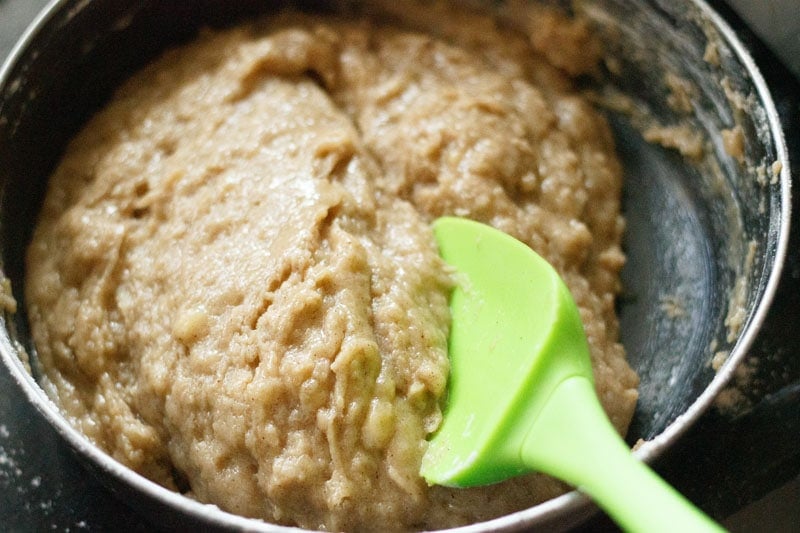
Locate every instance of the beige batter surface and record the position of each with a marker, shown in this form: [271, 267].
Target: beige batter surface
[234, 289]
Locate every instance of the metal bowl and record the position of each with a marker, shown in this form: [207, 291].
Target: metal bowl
[706, 235]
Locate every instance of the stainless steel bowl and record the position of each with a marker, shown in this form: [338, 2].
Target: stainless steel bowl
[703, 234]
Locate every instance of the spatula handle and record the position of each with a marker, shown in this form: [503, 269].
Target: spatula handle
[573, 440]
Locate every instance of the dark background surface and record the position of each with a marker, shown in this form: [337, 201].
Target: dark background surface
[742, 468]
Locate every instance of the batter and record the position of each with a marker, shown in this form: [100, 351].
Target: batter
[234, 288]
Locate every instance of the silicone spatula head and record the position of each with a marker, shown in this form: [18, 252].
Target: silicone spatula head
[515, 335]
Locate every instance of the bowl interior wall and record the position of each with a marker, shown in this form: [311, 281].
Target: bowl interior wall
[701, 234]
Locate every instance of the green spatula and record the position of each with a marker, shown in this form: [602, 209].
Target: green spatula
[521, 394]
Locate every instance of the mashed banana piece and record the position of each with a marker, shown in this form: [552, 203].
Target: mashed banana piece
[234, 289]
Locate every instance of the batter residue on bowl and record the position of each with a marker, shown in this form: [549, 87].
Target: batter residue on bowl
[233, 286]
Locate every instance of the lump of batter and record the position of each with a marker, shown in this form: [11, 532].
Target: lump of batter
[234, 288]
